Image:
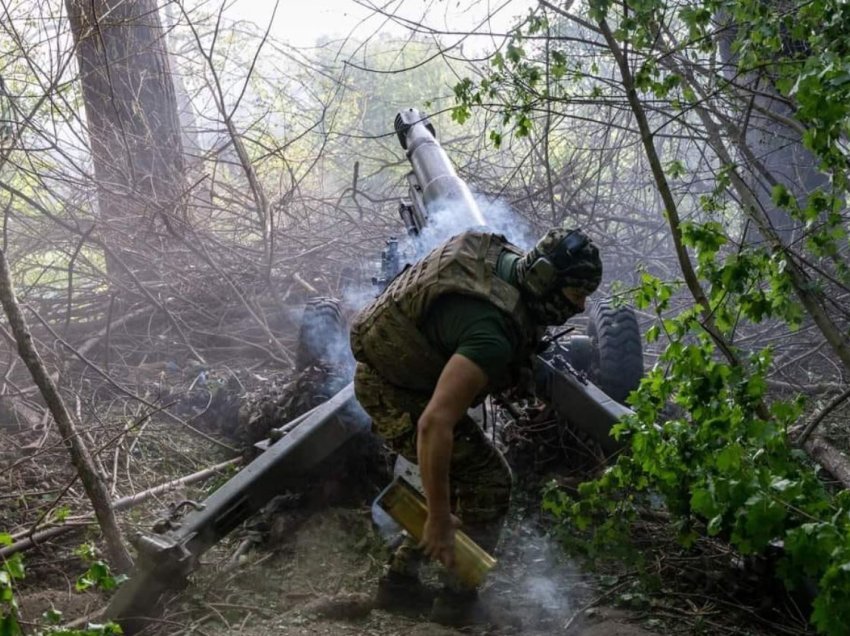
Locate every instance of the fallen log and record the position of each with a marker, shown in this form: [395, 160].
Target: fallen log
[830, 458]
[25, 540]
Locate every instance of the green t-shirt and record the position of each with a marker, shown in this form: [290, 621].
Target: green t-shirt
[475, 328]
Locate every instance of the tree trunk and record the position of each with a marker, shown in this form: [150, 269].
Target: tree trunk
[133, 124]
[192, 149]
[80, 456]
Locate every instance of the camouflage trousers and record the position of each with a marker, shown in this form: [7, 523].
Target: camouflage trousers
[479, 477]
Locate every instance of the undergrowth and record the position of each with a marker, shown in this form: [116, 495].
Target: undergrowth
[98, 575]
[724, 465]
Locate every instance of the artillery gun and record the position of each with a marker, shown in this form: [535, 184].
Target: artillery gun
[583, 377]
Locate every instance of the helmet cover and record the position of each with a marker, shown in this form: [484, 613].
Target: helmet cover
[562, 258]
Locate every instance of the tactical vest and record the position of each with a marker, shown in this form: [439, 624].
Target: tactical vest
[387, 335]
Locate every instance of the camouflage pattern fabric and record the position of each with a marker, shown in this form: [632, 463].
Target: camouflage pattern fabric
[573, 258]
[480, 478]
[561, 258]
[386, 334]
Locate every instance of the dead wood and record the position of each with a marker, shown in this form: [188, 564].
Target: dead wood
[832, 459]
[29, 538]
[257, 316]
[41, 536]
[110, 325]
[132, 500]
[819, 416]
[129, 393]
[300, 280]
[80, 456]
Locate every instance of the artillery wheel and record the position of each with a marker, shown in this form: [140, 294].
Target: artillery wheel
[323, 338]
[618, 364]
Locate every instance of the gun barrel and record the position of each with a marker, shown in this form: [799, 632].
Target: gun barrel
[440, 187]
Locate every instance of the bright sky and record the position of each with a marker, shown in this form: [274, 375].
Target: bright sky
[301, 22]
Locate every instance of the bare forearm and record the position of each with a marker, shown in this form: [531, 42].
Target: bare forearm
[460, 381]
[434, 451]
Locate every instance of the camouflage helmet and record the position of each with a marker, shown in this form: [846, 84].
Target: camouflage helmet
[562, 258]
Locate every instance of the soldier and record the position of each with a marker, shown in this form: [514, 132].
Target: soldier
[463, 322]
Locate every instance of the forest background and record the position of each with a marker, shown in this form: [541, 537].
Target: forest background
[174, 182]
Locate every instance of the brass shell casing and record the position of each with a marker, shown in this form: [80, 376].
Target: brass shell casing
[407, 507]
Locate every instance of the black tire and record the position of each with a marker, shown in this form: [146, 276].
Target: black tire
[323, 338]
[618, 366]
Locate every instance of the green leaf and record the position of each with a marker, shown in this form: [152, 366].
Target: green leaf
[652, 333]
[715, 525]
[781, 196]
[14, 565]
[9, 625]
[496, 138]
[52, 616]
[676, 169]
[729, 459]
[523, 126]
[86, 551]
[558, 68]
[702, 502]
[515, 53]
[461, 113]
[759, 523]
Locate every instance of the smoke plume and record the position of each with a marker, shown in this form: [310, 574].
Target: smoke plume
[534, 582]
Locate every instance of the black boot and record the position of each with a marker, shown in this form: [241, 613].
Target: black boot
[456, 608]
[403, 593]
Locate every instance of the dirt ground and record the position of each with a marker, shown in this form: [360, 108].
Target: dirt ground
[321, 578]
[315, 567]
[317, 576]
[315, 572]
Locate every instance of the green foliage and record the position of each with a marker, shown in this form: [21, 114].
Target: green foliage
[802, 53]
[98, 575]
[824, 217]
[12, 569]
[722, 465]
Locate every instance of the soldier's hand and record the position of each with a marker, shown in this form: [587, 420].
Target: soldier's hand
[438, 538]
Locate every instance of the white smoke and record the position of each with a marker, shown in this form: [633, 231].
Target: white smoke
[444, 222]
[502, 219]
[355, 298]
[323, 332]
[546, 578]
[330, 340]
[452, 218]
[534, 582]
